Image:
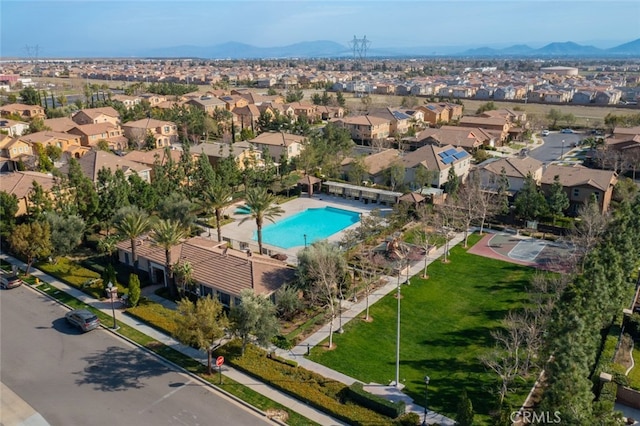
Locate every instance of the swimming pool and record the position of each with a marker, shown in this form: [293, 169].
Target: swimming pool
[315, 224]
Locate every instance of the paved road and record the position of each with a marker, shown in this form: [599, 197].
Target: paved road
[553, 146]
[72, 378]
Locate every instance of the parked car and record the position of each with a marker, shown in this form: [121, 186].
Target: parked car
[9, 280]
[545, 133]
[82, 319]
[566, 131]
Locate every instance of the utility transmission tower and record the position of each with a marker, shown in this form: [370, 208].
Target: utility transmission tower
[32, 54]
[360, 47]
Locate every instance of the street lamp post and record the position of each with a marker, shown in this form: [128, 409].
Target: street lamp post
[562, 150]
[398, 330]
[113, 309]
[426, 398]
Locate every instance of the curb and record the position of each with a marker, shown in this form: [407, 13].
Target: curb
[175, 366]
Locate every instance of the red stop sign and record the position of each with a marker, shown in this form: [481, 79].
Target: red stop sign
[219, 361]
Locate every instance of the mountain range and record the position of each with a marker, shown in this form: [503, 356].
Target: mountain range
[330, 49]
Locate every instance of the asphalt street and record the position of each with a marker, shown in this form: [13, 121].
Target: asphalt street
[96, 378]
[554, 147]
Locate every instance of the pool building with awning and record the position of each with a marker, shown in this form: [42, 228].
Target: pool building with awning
[363, 193]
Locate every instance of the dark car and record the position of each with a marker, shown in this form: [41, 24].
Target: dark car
[82, 319]
[566, 131]
[9, 280]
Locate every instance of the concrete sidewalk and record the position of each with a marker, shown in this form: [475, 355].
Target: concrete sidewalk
[354, 310]
[248, 381]
[350, 311]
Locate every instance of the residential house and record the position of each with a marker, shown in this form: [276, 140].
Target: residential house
[208, 104]
[234, 101]
[97, 116]
[67, 142]
[244, 153]
[246, 117]
[375, 165]
[61, 125]
[20, 184]
[625, 132]
[129, 102]
[153, 99]
[515, 169]
[165, 133]
[329, 112]
[279, 145]
[218, 271]
[484, 93]
[94, 161]
[91, 134]
[504, 93]
[434, 113]
[306, 110]
[498, 126]
[14, 148]
[26, 112]
[13, 127]
[398, 120]
[437, 160]
[466, 138]
[581, 184]
[364, 128]
[582, 97]
[608, 97]
[150, 158]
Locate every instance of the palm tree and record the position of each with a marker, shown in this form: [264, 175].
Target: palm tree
[215, 198]
[133, 224]
[259, 203]
[167, 234]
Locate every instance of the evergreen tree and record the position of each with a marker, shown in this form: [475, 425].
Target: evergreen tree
[558, 201]
[134, 290]
[465, 413]
[453, 183]
[530, 202]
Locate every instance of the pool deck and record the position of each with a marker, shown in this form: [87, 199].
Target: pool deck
[244, 232]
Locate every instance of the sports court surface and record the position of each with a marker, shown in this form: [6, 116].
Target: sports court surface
[543, 254]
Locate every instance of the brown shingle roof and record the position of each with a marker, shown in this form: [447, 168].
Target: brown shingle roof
[579, 176]
[20, 183]
[514, 167]
[277, 139]
[227, 270]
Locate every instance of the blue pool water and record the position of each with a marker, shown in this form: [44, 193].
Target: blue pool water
[316, 224]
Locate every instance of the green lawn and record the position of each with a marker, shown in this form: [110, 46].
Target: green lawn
[446, 324]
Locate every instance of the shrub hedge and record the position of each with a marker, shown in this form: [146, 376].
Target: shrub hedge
[327, 395]
[75, 275]
[375, 402]
[155, 315]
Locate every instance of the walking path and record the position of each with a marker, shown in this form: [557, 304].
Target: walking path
[354, 310]
[248, 381]
[350, 311]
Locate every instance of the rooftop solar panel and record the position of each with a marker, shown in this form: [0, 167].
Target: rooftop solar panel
[450, 151]
[460, 155]
[448, 160]
[442, 154]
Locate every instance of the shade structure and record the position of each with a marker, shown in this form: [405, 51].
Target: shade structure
[310, 181]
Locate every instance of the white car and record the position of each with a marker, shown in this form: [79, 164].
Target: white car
[545, 133]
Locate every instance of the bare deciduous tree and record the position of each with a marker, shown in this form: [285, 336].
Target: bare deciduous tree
[322, 267]
[590, 226]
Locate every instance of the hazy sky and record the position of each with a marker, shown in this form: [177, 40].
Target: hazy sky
[76, 26]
